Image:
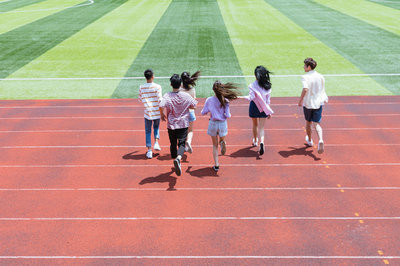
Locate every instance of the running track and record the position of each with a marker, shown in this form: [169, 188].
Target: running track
[76, 187]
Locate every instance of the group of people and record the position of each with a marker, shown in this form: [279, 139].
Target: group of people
[177, 108]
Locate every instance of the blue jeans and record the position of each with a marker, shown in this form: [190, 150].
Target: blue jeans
[147, 126]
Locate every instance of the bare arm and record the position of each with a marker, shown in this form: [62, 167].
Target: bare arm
[303, 93]
[163, 116]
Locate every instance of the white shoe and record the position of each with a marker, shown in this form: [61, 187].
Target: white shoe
[157, 147]
[188, 147]
[149, 154]
[255, 143]
[320, 147]
[309, 143]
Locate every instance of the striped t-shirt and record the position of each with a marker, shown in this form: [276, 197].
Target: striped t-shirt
[150, 95]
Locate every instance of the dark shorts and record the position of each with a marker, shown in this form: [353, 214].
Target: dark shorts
[313, 115]
[254, 112]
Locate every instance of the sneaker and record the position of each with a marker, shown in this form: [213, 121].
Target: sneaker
[177, 164]
[309, 143]
[261, 148]
[215, 168]
[149, 154]
[320, 147]
[188, 147]
[223, 147]
[255, 143]
[157, 146]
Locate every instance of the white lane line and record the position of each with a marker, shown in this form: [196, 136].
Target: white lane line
[198, 116]
[46, 9]
[197, 130]
[193, 165]
[204, 189]
[205, 257]
[201, 77]
[194, 146]
[141, 106]
[188, 218]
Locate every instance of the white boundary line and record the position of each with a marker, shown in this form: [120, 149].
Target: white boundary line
[193, 165]
[204, 257]
[201, 77]
[198, 116]
[47, 9]
[141, 106]
[195, 146]
[189, 218]
[163, 130]
[203, 189]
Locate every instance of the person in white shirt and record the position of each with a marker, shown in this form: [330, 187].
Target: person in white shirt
[312, 99]
[150, 95]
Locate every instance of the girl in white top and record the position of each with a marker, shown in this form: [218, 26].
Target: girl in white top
[259, 109]
[188, 86]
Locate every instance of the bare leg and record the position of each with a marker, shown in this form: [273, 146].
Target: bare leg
[255, 129]
[189, 138]
[318, 128]
[308, 129]
[261, 123]
[215, 149]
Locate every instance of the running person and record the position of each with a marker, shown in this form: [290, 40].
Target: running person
[312, 99]
[218, 107]
[188, 86]
[259, 109]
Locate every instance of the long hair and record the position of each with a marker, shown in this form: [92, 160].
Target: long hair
[225, 91]
[188, 82]
[262, 76]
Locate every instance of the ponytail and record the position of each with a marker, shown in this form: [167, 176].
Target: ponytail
[188, 82]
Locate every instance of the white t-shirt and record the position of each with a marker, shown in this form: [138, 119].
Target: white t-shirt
[315, 85]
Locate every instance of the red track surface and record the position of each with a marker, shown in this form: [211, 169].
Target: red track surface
[76, 187]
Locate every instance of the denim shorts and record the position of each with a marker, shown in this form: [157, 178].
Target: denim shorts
[313, 115]
[217, 128]
[192, 115]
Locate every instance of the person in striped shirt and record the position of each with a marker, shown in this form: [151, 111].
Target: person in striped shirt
[150, 95]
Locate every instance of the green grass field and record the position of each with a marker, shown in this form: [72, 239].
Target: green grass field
[100, 48]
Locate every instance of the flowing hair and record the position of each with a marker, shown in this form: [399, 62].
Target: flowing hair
[188, 82]
[225, 91]
[262, 76]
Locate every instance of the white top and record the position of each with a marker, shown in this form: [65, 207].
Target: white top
[315, 85]
[150, 95]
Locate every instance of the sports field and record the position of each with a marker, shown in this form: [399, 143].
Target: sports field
[97, 48]
[76, 187]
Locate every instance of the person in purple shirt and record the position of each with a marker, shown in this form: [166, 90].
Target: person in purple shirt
[177, 104]
[218, 107]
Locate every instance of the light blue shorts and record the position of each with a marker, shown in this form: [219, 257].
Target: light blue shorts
[192, 115]
[217, 128]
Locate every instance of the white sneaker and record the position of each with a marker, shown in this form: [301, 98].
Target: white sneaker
[149, 154]
[255, 143]
[309, 143]
[320, 147]
[157, 146]
[188, 147]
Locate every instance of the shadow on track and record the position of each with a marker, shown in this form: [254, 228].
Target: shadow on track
[299, 152]
[162, 178]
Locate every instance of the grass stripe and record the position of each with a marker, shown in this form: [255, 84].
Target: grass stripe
[11, 5]
[105, 48]
[12, 20]
[388, 3]
[190, 36]
[281, 45]
[24, 44]
[383, 17]
[366, 46]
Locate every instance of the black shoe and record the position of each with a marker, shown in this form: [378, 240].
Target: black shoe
[215, 168]
[177, 164]
[261, 148]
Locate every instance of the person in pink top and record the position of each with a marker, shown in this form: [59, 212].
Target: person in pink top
[177, 104]
[218, 107]
[259, 109]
